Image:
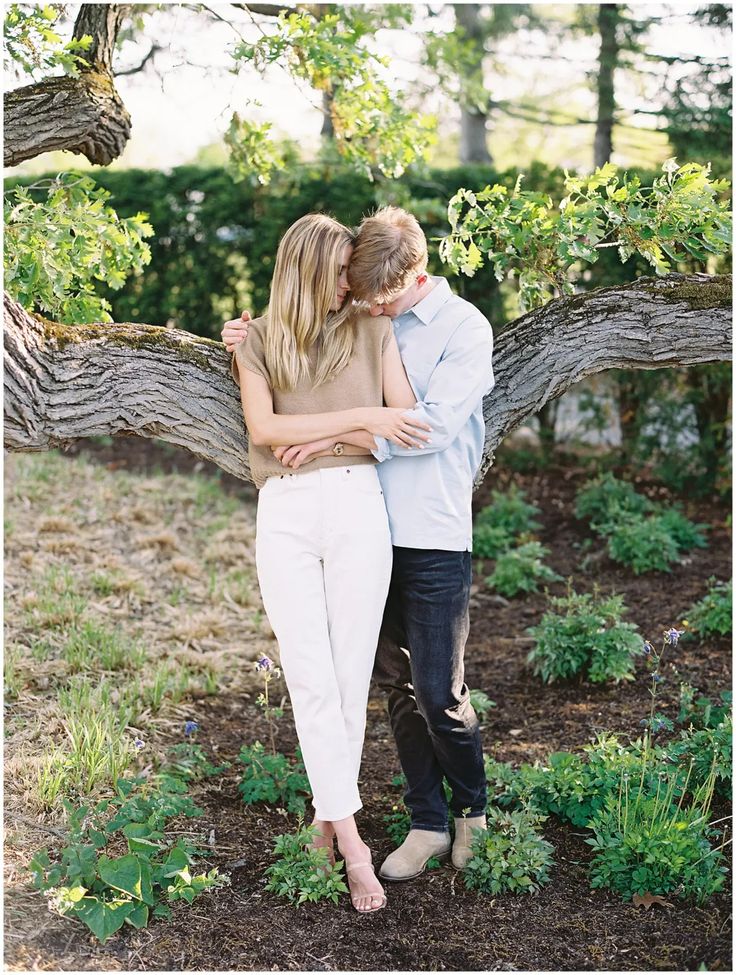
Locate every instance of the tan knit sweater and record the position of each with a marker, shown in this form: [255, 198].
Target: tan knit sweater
[359, 384]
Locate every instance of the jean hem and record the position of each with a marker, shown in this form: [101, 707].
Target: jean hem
[431, 829]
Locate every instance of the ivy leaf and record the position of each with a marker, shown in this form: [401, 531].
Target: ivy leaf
[129, 874]
[103, 918]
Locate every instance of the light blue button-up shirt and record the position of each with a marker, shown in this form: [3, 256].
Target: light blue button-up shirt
[446, 345]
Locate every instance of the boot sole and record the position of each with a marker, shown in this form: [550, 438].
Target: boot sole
[435, 856]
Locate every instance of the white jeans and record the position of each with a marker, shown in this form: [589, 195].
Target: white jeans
[323, 554]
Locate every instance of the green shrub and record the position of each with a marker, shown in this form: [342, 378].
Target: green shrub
[712, 615]
[509, 512]
[642, 535]
[572, 786]
[272, 778]
[709, 751]
[686, 533]
[490, 541]
[510, 855]
[604, 498]
[639, 849]
[584, 632]
[642, 544]
[398, 823]
[106, 892]
[520, 569]
[302, 872]
[701, 712]
[481, 703]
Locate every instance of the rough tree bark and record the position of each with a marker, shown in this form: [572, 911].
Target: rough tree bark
[85, 114]
[65, 382]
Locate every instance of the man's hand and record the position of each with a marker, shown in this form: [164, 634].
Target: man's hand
[235, 331]
[299, 454]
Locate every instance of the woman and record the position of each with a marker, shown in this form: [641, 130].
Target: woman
[314, 367]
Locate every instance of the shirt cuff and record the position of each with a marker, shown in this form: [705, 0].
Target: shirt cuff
[382, 451]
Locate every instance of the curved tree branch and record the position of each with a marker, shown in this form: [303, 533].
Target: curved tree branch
[66, 382]
[653, 323]
[84, 114]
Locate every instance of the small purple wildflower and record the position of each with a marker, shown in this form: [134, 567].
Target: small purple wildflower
[190, 727]
[264, 663]
[657, 677]
[672, 636]
[647, 647]
[644, 722]
[138, 743]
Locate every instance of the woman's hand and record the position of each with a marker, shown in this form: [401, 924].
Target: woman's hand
[299, 454]
[397, 425]
[235, 331]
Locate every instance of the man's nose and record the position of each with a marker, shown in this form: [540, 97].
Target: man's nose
[376, 310]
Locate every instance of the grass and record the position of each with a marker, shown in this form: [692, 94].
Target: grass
[93, 646]
[56, 603]
[127, 594]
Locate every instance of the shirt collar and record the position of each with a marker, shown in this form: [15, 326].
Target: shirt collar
[426, 309]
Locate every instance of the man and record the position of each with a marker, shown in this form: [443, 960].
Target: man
[446, 345]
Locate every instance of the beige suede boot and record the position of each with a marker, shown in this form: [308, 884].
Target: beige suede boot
[464, 835]
[410, 859]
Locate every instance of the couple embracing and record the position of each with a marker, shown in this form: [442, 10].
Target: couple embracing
[362, 389]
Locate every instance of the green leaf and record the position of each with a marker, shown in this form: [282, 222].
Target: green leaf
[175, 862]
[103, 918]
[128, 874]
[138, 917]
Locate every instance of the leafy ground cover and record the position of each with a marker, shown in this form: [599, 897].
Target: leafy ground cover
[130, 565]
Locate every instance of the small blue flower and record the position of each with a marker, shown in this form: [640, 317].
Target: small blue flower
[647, 647]
[644, 722]
[657, 677]
[264, 663]
[672, 636]
[190, 727]
[139, 744]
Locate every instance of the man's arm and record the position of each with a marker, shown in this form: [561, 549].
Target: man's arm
[459, 382]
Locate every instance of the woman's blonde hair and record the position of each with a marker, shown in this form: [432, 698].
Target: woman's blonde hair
[303, 287]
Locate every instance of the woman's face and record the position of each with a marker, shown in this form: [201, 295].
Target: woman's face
[342, 281]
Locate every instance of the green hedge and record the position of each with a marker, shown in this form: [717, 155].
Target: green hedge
[215, 240]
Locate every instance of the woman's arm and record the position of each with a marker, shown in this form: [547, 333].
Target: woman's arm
[397, 389]
[266, 427]
[294, 457]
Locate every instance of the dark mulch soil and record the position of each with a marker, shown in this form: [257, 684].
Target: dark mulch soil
[433, 923]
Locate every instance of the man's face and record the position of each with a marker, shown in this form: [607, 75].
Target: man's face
[401, 302]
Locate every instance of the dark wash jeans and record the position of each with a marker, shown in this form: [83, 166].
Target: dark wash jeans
[419, 664]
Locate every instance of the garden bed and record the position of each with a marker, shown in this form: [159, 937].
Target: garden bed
[433, 922]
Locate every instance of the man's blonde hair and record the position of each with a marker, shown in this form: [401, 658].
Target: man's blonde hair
[390, 251]
[303, 287]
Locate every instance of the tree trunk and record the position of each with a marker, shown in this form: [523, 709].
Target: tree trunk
[66, 382]
[608, 17]
[473, 137]
[327, 132]
[84, 114]
[473, 118]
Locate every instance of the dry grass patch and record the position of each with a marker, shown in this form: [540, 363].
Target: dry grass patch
[115, 633]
